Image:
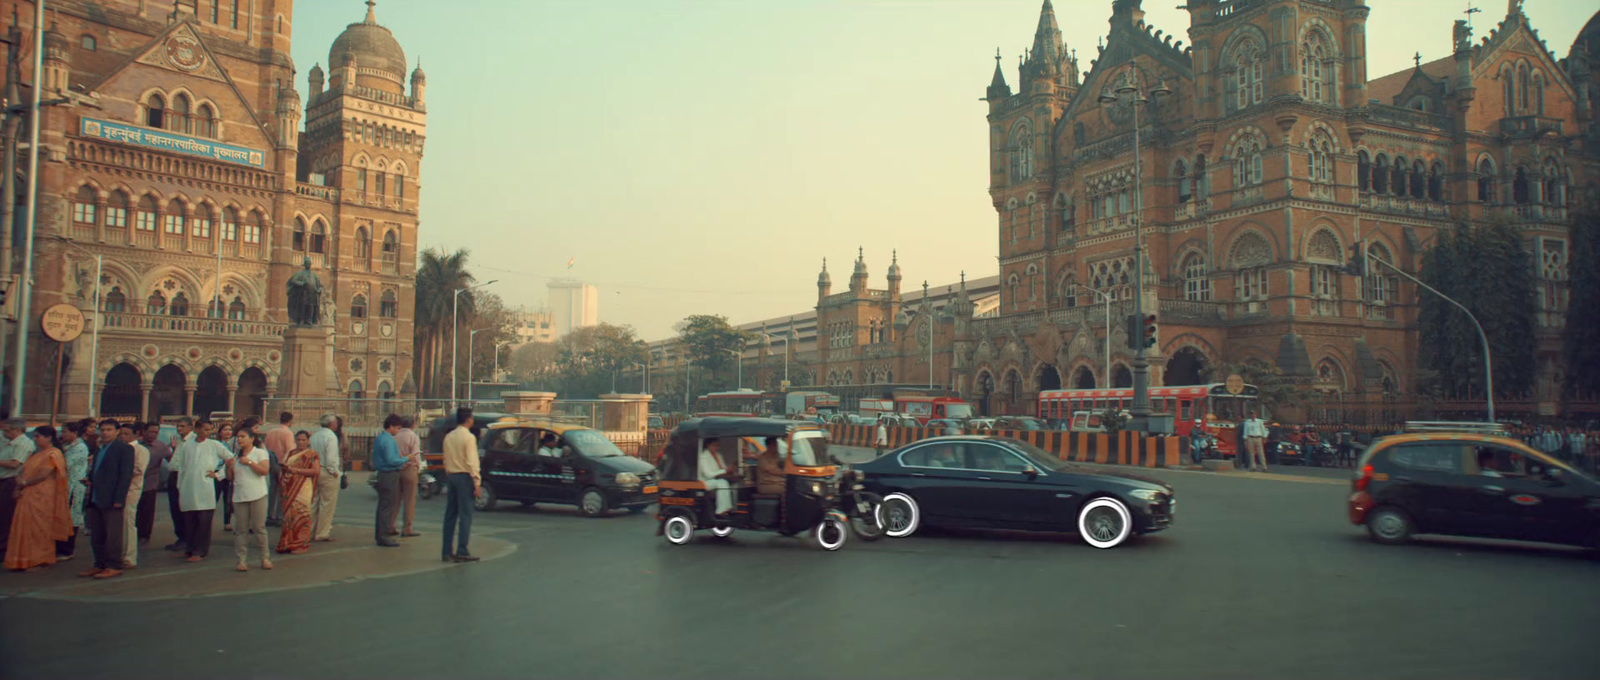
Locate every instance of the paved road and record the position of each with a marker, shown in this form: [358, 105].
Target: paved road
[1261, 578]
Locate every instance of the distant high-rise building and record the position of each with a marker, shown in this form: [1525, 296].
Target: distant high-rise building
[573, 305]
[534, 326]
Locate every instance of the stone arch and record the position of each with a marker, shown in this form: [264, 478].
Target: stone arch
[1243, 134]
[1324, 245]
[1188, 366]
[167, 392]
[1083, 376]
[1250, 247]
[1330, 375]
[185, 280]
[1239, 37]
[1046, 376]
[211, 388]
[120, 388]
[1121, 375]
[1321, 128]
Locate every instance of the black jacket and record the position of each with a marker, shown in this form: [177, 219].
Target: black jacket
[109, 481]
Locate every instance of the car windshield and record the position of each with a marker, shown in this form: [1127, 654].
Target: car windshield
[592, 444]
[958, 410]
[810, 448]
[1039, 456]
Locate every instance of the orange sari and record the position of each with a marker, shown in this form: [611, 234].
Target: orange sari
[42, 517]
[295, 494]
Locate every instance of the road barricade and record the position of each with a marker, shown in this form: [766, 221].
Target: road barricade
[1124, 448]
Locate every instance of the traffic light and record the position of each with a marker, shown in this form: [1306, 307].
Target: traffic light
[1130, 326]
[1357, 266]
[1149, 334]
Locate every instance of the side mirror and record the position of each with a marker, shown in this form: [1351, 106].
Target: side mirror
[1030, 472]
[1552, 476]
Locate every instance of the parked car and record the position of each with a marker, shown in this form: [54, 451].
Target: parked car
[1473, 484]
[946, 426]
[981, 424]
[589, 472]
[1019, 423]
[992, 482]
[655, 422]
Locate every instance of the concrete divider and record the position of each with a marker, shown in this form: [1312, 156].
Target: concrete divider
[1125, 448]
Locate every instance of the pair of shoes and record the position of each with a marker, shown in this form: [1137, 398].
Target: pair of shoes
[266, 564]
[391, 532]
[64, 558]
[465, 558]
[388, 544]
[129, 565]
[447, 558]
[240, 567]
[109, 573]
[90, 573]
[324, 540]
[299, 551]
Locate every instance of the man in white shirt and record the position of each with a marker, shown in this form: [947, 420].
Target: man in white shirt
[1255, 435]
[547, 446]
[882, 441]
[129, 433]
[200, 462]
[717, 476]
[326, 444]
[12, 456]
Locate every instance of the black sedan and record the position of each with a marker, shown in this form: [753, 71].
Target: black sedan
[998, 483]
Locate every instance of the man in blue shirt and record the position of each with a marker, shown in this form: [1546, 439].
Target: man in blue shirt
[386, 459]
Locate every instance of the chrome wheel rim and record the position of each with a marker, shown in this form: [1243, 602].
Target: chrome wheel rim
[1389, 525]
[1104, 523]
[592, 503]
[678, 530]
[897, 516]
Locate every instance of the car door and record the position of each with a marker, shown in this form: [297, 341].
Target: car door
[1530, 502]
[933, 474]
[1428, 480]
[506, 463]
[556, 478]
[1000, 493]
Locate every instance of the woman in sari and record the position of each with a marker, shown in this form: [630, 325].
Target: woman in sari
[77, 457]
[299, 480]
[41, 517]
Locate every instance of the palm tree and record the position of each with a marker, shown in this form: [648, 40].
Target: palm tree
[438, 276]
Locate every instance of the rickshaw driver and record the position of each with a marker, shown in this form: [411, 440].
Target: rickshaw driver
[769, 469]
[717, 477]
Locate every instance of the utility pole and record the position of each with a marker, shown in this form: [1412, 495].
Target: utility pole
[8, 183]
[25, 283]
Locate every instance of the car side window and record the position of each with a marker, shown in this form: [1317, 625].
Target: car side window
[506, 440]
[933, 456]
[992, 458]
[1430, 456]
[1509, 462]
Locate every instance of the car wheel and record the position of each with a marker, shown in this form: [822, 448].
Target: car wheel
[830, 533]
[678, 530]
[1105, 523]
[592, 502]
[722, 532]
[899, 515]
[1389, 525]
[486, 500]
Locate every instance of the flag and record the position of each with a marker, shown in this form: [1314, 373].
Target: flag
[569, 262]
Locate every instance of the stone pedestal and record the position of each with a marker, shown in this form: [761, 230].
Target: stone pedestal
[625, 412]
[529, 403]
[308, 371]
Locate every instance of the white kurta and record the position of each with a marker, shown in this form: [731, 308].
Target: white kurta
[199, 465]
[710, 467]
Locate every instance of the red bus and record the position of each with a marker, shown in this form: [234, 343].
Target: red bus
[925, 408]
[1220, 411]
[732, 403]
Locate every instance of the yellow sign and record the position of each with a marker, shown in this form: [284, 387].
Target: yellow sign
[62, 323]
[1235, 384]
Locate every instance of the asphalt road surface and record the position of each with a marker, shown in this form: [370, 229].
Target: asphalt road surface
[1261, 577]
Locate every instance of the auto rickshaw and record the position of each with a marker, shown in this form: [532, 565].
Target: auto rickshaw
[808, 504]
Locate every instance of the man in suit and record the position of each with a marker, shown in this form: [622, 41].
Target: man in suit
[110, 475]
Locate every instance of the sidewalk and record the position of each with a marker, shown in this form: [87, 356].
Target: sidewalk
[352, 556]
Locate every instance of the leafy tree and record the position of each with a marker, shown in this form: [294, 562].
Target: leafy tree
[1583, 309]
[1275, 391]
[1115, 420]
[438, 276]
[534, 364]
[495, 325]
[1488, 270]
[711, 341]
[588, 359]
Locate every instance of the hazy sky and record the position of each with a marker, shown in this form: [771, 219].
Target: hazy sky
[703, 156]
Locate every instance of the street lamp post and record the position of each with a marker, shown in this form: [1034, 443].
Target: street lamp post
[25, 283]
[497, 347]
[470, 347]
[738, 355]
[94, 352]
[644, 382]
[1106, 376]
[1488, 364]
[1140, 408]
[455, 336]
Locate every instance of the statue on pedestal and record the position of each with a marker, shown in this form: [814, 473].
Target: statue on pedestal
[305, 297]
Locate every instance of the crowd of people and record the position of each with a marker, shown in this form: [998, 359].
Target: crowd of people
[102, 479]
[1577, 446]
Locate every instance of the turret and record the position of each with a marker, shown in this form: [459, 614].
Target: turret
[998, 89]
[419, 81]
[858, 279]
[1044, 59]
[288, 117]
[824, 282]
[894, 276]
[317, 79]
[57, 60]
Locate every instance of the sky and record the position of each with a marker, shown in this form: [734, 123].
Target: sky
[704, 156]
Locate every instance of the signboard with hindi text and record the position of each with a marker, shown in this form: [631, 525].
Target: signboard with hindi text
[162, 140]
[62, 323]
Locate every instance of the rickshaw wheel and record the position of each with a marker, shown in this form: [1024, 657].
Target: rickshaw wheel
[678, 530]
[830, 534]
[722, 532]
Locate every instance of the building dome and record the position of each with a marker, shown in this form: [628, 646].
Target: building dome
[373, 47]
[823, 279]
[894, 267]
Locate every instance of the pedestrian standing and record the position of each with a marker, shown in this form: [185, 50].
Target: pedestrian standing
[77, 469]
[465, 484]
[201, 462]
[160, 453]
[250, 471]
[300, 471]
[185, 427]
[881, 442]
[1255, 434]
[224, 485]
[410, 448]
[279, 441]
[326, 444]
[387, 461]
[40, 521]
[12, 458]
[128, 434]
[110, 475]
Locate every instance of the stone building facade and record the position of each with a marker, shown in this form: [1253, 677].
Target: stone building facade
[1274, 153]
[183, 161]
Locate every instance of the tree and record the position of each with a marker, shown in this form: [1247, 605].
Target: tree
[711, 342]
[1488, 270]
[439, 275]
[534, 365]
[1583, 309]
[588, 359]
[495, 325]
[1274, 391]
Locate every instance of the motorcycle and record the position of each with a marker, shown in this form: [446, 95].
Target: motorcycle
[428, 485]
[859, 505]
[1323, 455]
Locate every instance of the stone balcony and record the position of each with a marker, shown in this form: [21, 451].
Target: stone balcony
[191, 326]
[1530, 126]
[1404, 205]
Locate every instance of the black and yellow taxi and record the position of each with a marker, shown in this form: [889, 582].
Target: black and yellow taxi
[1467, 479]
[536, 461]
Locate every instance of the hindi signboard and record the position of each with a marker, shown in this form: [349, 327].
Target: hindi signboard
[167, 141]
[62, 323]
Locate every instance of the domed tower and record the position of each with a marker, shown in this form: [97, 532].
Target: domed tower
[318, 80]
[824, 282]
[419, 80]
[858, 279]
[894, 276]
[367, 55]
[57, 60]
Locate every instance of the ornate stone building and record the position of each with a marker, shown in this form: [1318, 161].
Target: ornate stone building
[1273, 154]
[181, 160]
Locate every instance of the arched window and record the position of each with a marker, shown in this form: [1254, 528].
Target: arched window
[361, 180]
[377, 184]
[1196, 278]
[1523, 86]
[1251, 255]
[229, 228]
[358, 306]
[400, 185]
[180, 305]
[117, 210]
[1067, 292]
[1321, 161]
[252, 228]
[363, 249]
[1436, 181]
[179, 120]
[1508, 89]
[388, 305]
[1519, 188]
[1363, 171]
[1397, 176]
[200, 226]
[1202, 181]
[115, 300]
[145, 218]
[1185, 183]
[83, 205]
[156, 303]
[1247, 84]
[1380, 174]
[206, 122]
[391, 250]
[1538, 93]
[173, 220]
[1486, 181]
[1021, 146]
[1380, 283]
[298, 241]
[357, 391]
[1247, 164]
[155, 111]
[319, 237]
[1419, 179]
[1014, 288]
[1312, 55]
[236, 309]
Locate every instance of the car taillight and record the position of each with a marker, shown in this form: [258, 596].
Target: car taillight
[1365, 478]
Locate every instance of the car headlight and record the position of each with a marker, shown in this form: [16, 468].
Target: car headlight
[627, 478]
[1146, 494]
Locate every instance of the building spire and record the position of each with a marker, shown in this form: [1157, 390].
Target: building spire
[372, 14]
[1047, 39]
